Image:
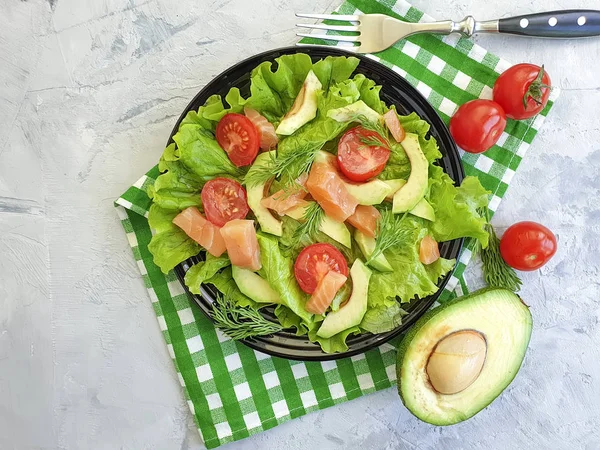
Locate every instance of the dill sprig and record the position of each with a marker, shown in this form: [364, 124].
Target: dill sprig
[240, 323]
[313, 216]
[390, 233]
[378, 128]
[287, 168]
[495, 270]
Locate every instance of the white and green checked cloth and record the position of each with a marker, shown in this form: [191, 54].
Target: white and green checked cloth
[233, 391]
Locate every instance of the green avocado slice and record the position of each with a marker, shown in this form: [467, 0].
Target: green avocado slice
[495, 318]
[414, 190]
[352, 313]
[337, 231]
[254, 286]
[304, 108]
[268, 223]
[367, 246]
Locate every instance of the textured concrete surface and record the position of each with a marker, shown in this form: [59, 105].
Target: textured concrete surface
[88, 94]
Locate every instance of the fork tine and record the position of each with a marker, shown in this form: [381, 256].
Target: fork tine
[322, 26]
[348, 48]
[331, 37]
[346, 18]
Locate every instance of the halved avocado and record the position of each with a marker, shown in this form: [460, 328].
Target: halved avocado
[367, 246]
[370, 193]
[268, 223]
[337, 231]
[304, 108]
[352, 313]
[460, 356]
[254, 286]
[353, 112]
[414, 190]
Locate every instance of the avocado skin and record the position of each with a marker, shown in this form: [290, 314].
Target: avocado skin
[408, 337]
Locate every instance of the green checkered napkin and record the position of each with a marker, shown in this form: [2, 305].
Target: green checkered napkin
[233, 391]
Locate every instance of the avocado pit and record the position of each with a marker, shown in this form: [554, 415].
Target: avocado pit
[456, 361]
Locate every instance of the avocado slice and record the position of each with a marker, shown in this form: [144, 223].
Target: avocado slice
[254, 286]
[414, 190]
[352, 313]
[353, 112]
[268, 223]
[367, 245]
[460, 356]
[422, 209]
[371, 193]
[304, 108]
[337, 231]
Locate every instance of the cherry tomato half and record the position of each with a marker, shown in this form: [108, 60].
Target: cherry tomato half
[477, 125]
[238, 136]
[527, 245]
[522, 90]
[224, 200]
[360, 157]
[314, 262]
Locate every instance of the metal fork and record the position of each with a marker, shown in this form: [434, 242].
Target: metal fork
[377, 32]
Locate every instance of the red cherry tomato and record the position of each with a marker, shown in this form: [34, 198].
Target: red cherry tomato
[527, 245]
[224, 200]
[477, 125]
[314, 262]
[238, 136]
[522, 90]
[359, 155]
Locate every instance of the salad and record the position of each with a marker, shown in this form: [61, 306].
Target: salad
[313, 195]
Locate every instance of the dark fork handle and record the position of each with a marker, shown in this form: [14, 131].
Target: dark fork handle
[573, 23]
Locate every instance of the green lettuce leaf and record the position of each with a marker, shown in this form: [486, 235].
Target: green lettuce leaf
[410, 277]
[455, 208]
[383, 318]
[169, 245]
[334, 344]
[278, 270]
[334, 69]
[205, 270]
[207, 160]
[225, 283]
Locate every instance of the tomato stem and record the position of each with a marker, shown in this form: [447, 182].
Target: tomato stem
[535, 90]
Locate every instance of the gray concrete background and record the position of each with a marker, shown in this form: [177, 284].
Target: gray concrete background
[89, 90]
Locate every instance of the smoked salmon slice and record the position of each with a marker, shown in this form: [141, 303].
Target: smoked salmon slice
[365, 219]
[327, 188]
[208, 235]
[241, 243]
[394, 125]
[323, 295]
[266, 130]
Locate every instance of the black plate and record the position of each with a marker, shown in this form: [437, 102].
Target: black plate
[396, 91]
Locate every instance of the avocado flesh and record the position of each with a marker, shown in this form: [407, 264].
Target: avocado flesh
[367, 246]
[422, 209]
[414, 190]
[268, 223]
[370, 193]
[505, 323]
[337, 231]
[353, 112]
[352, 313]
[254, 286]
[304, 108]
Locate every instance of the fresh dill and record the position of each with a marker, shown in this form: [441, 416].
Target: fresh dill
[390, 233]
[240, 323]
[309, 227]
[378, 128]
[495, 270]
[287, 168]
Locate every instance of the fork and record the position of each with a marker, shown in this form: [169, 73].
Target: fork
[377, 32]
